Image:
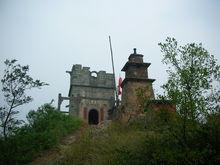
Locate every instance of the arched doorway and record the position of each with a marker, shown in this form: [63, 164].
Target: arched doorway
[93, 116]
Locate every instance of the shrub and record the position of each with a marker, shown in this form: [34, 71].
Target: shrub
[45, 129]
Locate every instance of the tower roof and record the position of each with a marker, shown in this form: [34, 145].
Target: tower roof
[135, 60]
[137, 80]
[134, 64]
[135, 55]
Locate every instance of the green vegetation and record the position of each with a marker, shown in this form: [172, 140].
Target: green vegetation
[105, 146]
[158, 143]
[193, 79]
[191, 135]
[45, 129]
[15, 83]
[193, 85]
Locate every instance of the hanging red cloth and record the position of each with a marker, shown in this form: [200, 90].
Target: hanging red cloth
[119, 86]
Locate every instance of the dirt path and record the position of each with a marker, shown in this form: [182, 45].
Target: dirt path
[50, 156]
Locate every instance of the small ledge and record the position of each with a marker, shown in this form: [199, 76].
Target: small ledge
[137, 80]
[135, 64]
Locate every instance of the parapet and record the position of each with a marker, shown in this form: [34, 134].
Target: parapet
[77, 67]
[86, 68]
[82, 76]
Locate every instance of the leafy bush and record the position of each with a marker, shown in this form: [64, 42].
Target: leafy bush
[45, 129]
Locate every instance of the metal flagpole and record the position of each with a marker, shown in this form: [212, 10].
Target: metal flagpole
[113, 68]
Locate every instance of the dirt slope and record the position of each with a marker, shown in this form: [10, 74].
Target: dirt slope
[51, 156]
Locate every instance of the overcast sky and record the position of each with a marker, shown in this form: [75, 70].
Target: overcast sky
[52, 35]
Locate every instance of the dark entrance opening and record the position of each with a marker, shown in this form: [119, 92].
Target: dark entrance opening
[93, 116]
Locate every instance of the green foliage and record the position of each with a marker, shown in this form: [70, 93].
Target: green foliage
[192, 84]
[143, 96]
[211, 133]
[164, 143]
[45, 129]
[15, 83]
[190, 136]
[158, 143]
[192, 76]
[113, 145]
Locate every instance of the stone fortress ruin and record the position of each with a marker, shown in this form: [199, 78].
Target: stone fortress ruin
[92, 94]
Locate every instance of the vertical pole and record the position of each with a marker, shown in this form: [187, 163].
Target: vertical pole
[59, 101]
[113, 68]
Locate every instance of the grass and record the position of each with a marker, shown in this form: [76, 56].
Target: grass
[109, 145]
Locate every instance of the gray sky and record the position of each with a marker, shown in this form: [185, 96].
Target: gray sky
[52, 35]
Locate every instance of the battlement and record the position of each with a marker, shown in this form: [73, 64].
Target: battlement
[82, 76]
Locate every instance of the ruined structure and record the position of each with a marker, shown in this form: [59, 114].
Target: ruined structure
[136, 78]
[91, 94]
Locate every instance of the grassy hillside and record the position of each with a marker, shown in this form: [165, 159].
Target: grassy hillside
[111, 145]
[154, 139]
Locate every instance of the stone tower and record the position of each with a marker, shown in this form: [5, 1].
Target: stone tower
[136, 76]
[91, 94]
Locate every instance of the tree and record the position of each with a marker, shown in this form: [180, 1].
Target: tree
[44, 129]
[15, 83]
[193, 79]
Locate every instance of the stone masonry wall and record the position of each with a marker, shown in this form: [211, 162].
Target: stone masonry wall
[130, 99]
[90, 90]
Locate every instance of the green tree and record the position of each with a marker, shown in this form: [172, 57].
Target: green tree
[15, 83]
[193, 79]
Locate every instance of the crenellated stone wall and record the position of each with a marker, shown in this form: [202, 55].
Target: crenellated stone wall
[90, 90]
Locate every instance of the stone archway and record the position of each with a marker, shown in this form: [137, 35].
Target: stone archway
[93, 116]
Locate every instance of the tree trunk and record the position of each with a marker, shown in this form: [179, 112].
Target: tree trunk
[6, 120]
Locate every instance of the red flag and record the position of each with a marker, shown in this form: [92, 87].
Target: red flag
[119, 85]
